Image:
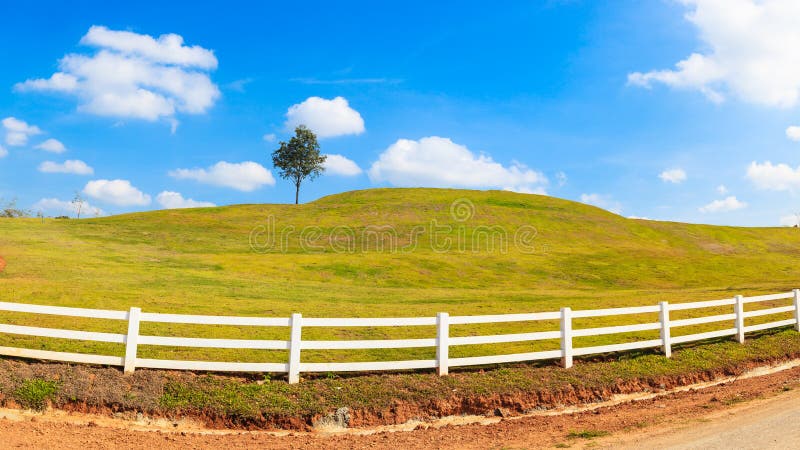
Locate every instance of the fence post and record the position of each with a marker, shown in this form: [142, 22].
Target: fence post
[739, 308]
[796, 309]
[442, 343]
[295, 341]
[566, 337]
[131, 340]
[663, 317]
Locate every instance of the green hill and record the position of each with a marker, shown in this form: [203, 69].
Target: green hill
[387, 252]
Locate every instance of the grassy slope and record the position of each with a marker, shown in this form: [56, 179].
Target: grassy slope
[200, 261]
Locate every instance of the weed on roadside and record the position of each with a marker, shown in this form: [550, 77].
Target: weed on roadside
[587, 434]
[35, 393]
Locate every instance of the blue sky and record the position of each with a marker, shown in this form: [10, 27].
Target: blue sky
[673, 110]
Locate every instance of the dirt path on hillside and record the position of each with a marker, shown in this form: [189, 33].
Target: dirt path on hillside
[645, 423]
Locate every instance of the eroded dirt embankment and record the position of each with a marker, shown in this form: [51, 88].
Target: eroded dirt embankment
[106, 391]
[150, 393]
[660, 414]
[521, 403]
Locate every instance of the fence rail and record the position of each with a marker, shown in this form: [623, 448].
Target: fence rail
[442, 342]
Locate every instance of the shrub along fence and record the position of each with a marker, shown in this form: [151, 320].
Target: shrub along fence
[443, 341]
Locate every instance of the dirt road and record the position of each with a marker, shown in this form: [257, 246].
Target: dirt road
[772, 423]
[757, 412]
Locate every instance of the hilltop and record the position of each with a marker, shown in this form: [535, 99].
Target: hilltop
[372, 253]
[201, 260]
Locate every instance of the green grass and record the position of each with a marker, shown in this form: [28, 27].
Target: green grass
[587, 434]
[199, 261]
[34, 393]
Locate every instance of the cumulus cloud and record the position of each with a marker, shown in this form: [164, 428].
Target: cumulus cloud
[269, 137]
[751, 53]
[3, 152]
[777, 177]
[602, 201]
[72, 166]
[439, 162]
[58, 82]
[116, 192]
[174, 200]
[246, 176]
[56, 207]
[722, 189]
[793, 133]
[52, 146]
[168, 48]
[340, 165]
[134, 76]
[675, 176]
[326, 118]
[729, 203]
[18, 131]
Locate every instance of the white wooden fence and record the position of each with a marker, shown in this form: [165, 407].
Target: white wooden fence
[442, 342]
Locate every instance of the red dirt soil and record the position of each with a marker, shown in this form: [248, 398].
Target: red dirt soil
[677, 409]
[2, 264]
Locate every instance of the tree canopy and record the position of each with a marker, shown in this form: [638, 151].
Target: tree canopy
[299, 159]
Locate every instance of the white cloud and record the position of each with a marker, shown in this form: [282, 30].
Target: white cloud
[751, 52]
[729, 203]
[269, 137]
[340, 165]
[56, 207]
[639, 218]
[246, 176]
[539, 190]
[675, 176]
[18, 131]
[116, 192]
[174, 200]
[793, 133]
[52, 146]
[792, 220]
[602, 201]
[439, 162]
[72, 166]
[326, 118]
[722, 189]
[58, 82]
[134, 76]
[239, 85]
[778, 177]
[167, 49]
[3, 152]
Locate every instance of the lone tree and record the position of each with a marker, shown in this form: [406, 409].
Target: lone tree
[77, 203]
[299, 158]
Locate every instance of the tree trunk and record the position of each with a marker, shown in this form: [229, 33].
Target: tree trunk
[297, 195]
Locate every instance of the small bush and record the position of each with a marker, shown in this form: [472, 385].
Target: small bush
[35, 392]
